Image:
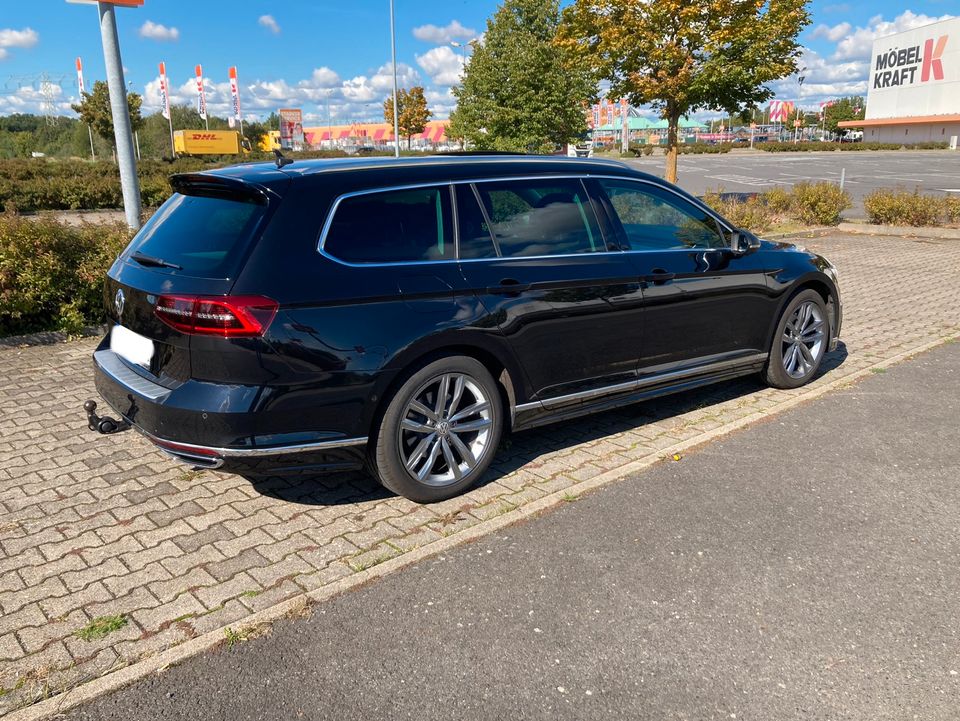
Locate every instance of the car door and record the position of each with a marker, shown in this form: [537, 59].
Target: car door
[704, 304]
[569, 304]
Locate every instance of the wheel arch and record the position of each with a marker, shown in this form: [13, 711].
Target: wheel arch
[505, 372]
[816, 282]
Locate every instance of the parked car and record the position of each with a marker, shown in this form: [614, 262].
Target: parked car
[405, 314]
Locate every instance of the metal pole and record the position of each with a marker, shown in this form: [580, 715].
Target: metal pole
[136, 139]
[93, 155]
[396, 109]
[173, 148]
[843, 177]
[122, 130]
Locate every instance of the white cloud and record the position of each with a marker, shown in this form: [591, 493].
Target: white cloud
[833, 34]
[269, 23]
[25, 38]
[442, 64]
[155, 31]
[444, 35]
[856, 43]
[4, 54]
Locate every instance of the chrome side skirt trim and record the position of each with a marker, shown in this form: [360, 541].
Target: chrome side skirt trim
[643, 382]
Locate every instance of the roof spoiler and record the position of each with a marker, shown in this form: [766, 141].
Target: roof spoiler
[220, 186]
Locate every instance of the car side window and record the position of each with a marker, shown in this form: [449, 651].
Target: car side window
[656, 219]
[392, 226]
[540, 217]
[476, 240]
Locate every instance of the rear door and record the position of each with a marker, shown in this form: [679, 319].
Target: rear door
[704, 304]
[569, 303]
[195, 244]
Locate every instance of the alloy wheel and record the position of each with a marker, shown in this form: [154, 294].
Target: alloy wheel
[803, 338]
[445, 429]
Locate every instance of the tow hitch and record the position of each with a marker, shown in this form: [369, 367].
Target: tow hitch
[102, 424]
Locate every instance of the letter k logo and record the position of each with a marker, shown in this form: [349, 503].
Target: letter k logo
[931, 59]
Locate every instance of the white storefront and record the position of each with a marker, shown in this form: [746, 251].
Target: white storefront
[914, 86]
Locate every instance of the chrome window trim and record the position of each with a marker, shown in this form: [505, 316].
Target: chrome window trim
[497, 179]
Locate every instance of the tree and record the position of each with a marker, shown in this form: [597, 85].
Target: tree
[94, 110]
[522, 91]
[681, 56]
[851, 108]
[413, 112]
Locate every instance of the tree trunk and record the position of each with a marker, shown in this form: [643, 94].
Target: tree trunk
[673, 124]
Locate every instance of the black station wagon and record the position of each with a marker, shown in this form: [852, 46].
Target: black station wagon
[405, 314]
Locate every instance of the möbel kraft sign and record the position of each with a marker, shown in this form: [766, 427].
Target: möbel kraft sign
[916, 72]
[900, 66]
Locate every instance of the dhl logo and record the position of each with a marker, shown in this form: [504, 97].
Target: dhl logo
[203, 136]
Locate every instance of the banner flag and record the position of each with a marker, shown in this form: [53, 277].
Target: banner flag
[201, 97]
[235, 93]
[80, 77]
[164, 95]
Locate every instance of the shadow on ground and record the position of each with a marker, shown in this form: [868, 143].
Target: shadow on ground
[526, 446]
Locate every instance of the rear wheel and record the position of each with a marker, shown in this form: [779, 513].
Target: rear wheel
[440, 431]
[800, 341]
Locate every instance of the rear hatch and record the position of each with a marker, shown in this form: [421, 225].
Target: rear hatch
[193, 246]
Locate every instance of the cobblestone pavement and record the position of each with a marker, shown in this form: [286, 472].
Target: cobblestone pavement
[96, 526]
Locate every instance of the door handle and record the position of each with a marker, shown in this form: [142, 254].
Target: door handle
[658, 276]
[509, 286]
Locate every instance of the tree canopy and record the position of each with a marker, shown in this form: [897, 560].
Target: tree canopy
[521, 90]
[412, 114]
[680, 56]
[94, 110]
[851, 108]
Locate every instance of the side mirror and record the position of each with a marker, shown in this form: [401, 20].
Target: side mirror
[742, 241]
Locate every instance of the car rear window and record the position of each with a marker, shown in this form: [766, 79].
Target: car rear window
[206, 236]
[392, 226]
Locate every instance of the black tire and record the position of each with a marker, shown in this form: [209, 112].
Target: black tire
[776, 373]
[392, 444]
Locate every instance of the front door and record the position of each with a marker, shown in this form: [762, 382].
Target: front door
[705, 305]
[569, 304]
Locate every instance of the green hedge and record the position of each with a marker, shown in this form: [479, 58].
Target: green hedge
[806, 203]
[901, 207]
[807, 146]
[51, 274]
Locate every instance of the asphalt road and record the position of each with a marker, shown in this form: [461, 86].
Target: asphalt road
[806, 567]
[931, 171]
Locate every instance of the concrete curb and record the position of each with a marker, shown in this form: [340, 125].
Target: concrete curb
[901, 230]
[155, 664]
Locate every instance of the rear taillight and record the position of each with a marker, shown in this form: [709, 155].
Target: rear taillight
[236, 316]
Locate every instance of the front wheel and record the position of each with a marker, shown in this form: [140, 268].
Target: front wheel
[800, 341]
[439, 432]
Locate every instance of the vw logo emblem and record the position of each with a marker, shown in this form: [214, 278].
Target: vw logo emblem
[118, 301]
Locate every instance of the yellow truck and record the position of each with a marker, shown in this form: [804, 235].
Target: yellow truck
[208, 142]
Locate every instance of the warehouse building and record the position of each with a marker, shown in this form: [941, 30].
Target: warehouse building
[914, 87]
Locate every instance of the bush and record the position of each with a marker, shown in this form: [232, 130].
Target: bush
[752, 214]
[779, 201]
[819, 203]
[698, 148]
[901, 207]
[51, 274]
[806, 146]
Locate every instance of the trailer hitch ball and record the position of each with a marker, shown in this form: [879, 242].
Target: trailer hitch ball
[101, 424]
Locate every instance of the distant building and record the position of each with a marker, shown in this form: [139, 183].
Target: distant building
[914, 86]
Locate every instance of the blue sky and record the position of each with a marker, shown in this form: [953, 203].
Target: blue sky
[334, 57]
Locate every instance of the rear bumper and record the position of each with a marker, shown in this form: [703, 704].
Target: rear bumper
[214, 425]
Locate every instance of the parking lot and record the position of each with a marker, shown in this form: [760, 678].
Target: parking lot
[757, 171]
[100, 526]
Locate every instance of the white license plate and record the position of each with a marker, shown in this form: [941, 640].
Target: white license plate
[132, 346]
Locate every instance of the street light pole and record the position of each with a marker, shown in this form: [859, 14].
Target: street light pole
[396, 109]
[122, 130]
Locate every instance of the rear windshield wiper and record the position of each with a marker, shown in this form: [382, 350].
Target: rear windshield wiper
[143, 259]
